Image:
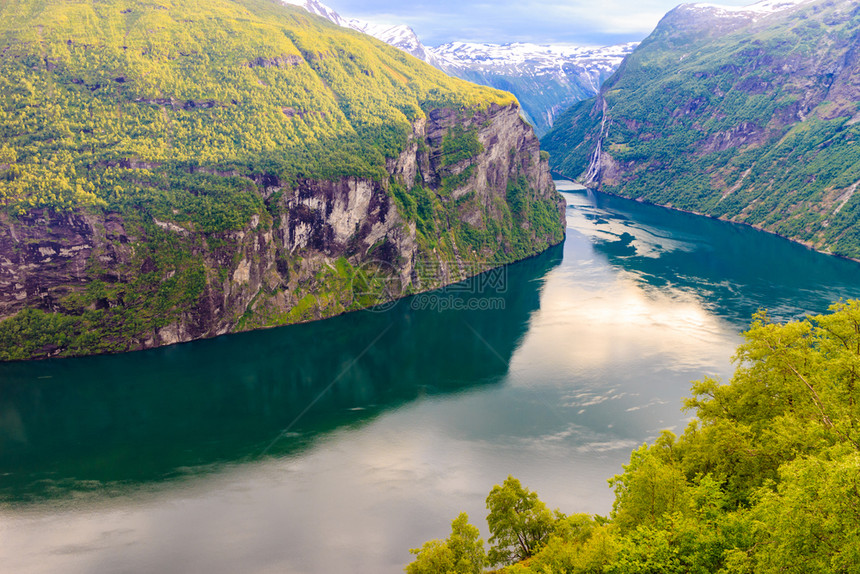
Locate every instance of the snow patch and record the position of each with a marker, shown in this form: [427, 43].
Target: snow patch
[319, 9]
[532, 59]
[557, 60]
[400, 36]
[765, 7]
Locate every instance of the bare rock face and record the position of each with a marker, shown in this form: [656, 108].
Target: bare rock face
[500, 130]
[44, 256]
[88, 282]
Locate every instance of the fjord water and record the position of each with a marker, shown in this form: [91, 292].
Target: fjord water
[337, 446]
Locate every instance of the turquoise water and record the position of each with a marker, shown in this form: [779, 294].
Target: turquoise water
[337, 446]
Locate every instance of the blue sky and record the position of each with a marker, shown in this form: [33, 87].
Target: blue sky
[552, 21]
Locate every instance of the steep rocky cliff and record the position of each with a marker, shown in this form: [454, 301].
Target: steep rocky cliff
[747, 114]
[92, 280]
[172, 170]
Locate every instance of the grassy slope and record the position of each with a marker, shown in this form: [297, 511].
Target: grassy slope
[755, 124]
[89, 88]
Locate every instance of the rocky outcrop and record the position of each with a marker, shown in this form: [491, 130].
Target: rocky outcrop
[44, 256]
[318, 249]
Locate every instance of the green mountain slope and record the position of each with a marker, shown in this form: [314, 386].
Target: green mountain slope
[176, 170]
[89, 88]
[744, 116]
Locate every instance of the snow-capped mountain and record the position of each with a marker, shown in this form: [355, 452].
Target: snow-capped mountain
[762, 8]
[590, 65]
[320, 9]
[708, 19]
[545, 79]
[400, 35]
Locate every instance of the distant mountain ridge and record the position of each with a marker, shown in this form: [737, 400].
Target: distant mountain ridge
[546, 79]
[748, 114]
[763, 8]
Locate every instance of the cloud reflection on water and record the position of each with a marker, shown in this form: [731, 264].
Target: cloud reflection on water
[644, 302]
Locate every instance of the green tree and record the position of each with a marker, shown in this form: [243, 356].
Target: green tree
[462, 553]
[578, 545]
[651, 486]
[519, 522]
[793, 393]
[433, 557]
[811, 523]
[766, 480]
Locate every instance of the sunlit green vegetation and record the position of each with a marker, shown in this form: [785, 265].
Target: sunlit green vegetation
[459, 144]
[186, 121]
[756, 125]
[763, 480]
[91, 93]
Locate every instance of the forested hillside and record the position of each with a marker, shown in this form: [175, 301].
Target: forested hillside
[763, 480]
[748, 114]
[103, 101]
[178, 169]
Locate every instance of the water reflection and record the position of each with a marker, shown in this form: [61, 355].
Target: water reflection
[86, 424]
[589, 359]
[731, 270]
